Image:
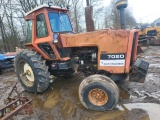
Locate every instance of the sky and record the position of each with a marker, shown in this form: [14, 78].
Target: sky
[148, 10]
[145, 11]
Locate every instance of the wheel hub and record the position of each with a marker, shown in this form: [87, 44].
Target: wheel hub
[98, 97]
[28, 72]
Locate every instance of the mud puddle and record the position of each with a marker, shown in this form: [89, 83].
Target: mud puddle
[152, 109]
[134, 111]
[62, 103]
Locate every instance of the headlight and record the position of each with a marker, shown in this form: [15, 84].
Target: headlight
[55, 38]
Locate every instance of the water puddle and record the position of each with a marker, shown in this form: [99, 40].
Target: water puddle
[133, 111]
[65, 103]
[152, 109]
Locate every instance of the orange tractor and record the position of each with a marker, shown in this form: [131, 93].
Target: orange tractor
[105, 56]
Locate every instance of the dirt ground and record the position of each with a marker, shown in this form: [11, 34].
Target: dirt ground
[138, 101]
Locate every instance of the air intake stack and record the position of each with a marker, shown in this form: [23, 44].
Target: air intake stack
[121, 5]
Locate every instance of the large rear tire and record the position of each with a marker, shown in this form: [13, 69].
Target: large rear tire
[98, 92]
[31, 71]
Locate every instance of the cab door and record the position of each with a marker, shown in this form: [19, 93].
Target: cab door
[43, 38]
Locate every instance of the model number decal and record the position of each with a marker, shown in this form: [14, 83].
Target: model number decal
[112, 56]
[112, 59]
[115, 56]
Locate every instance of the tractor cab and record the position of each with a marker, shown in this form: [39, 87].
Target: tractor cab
[43, 26]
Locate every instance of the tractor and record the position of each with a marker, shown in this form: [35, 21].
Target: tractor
[104, 56]
[6, 60]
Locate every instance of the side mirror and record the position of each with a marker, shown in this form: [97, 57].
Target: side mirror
[55, 38]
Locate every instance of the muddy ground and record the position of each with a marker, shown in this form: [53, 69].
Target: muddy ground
[60, 102]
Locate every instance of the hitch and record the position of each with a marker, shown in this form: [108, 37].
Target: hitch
[138, 71]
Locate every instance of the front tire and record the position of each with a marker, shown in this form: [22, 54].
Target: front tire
[31, 71]
[98, 92]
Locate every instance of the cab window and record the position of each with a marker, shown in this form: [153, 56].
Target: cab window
[41, 28]
[60, 22]
[28, 31]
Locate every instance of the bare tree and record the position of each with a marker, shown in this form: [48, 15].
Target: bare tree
[8, 29]
[76, 13]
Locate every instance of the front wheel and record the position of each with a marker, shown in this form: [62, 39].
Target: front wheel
[31, 71]
[98, 92]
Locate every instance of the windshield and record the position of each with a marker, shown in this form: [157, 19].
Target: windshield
[60, 22]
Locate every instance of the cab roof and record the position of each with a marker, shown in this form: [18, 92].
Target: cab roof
[45, 6]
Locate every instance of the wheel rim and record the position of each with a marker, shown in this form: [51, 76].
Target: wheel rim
[29, 73]
[98, 97]
[26, 73]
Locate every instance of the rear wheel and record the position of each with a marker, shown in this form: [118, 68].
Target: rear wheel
[31, 71]
[98, 92]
